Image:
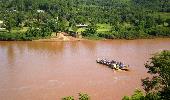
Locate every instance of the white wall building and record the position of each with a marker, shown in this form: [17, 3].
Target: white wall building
[40, 11]
[1, 23]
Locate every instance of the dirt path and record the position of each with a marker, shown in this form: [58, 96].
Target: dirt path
[61, 37]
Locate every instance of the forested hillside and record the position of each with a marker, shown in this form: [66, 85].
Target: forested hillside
[128, 19]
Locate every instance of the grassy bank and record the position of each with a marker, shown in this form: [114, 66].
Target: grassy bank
[126, 31]
[25, 34]
[6, 36]
[101, 31]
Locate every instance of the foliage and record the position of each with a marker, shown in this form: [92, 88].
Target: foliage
[160, 68]
[62, 25]
[83, 96]
[19, 18]
[38, 32]
[52, 24]
[106, 35]
[157, 87]
[138, 95]
[90, 31]
[122, 19]
[30, 34]
[9, 23]
[11, 36]
[168, 21]
[68, 98]
[159, 31]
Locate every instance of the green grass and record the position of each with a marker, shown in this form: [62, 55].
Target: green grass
[103, 28]
[93, 37]
[81, 30]
[19, 30]
[163, 15]
[16, 30]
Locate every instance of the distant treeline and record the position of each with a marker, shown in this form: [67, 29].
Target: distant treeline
[129, 19]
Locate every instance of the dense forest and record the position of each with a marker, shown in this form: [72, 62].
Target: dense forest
[111, 19]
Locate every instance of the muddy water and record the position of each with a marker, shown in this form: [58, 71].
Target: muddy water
[51, 70]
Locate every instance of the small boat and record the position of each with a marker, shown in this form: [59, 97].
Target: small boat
[113, 64]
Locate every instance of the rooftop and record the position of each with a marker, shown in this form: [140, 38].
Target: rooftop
[40, 11]
[1, 22]
[81, 25]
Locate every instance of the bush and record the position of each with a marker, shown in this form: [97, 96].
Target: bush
[68, 98]
[91, 30]
[156, 87]
[11, 36]
[159, 31]
[35, 33]
[106, 35]
[138, 95]
[83, 96]
[31, 34]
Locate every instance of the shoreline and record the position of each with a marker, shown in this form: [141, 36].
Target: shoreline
[56, 40]
[78, 39]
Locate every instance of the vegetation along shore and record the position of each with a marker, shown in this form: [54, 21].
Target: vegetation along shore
[90, 19]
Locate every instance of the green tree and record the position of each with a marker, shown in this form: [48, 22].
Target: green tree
[157, 87]
[159, 67]
[52, 24]
[9, 23]
[168, 21]
[83, 96]
[80, 19]
[19, 19]
[68, 98]
[90, 30]
[138, 95]
[62, 25]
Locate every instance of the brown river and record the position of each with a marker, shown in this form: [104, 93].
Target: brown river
[52, 70]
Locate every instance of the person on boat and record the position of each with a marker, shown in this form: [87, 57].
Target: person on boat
[113, 61]
[121, 65]
[98, 60]
[105, 61]
[117, 65]
[114, 66]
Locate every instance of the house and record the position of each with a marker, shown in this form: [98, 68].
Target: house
[81, 25]
[40, 11]
[1, 23]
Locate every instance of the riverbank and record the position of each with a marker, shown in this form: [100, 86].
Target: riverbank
[24, 37]
[53, 39]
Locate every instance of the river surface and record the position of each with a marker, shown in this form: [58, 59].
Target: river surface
[52, 70]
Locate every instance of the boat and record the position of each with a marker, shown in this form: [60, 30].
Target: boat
[113, 64]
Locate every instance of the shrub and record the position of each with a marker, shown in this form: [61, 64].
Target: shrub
[156, 87]
[106, 35]
[35, 33]
[91, 30]
[83, 96]
[159, 31]
[11, 36]
[138, 95]
[68, 98]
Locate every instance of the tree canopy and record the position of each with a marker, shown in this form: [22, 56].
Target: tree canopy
[158, 86]
[129, 19]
